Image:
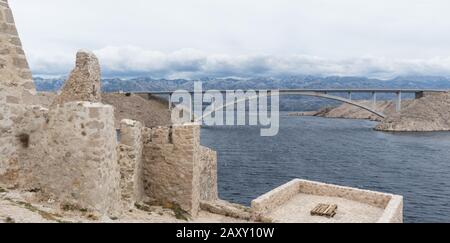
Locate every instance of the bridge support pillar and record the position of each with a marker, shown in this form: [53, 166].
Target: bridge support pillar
[374, 100]
[399, 101]
[192, 113]
[350, 95]
[170, 102]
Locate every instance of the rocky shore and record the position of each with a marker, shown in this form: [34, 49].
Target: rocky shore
[430, 113]
[347, 111]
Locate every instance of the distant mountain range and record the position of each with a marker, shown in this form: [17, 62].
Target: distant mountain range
[288, 103]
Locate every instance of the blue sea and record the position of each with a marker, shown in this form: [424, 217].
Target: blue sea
[337, 151]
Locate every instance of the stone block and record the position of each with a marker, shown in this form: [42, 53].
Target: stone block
[208, 175]
[171, 162]
[130, 161]
[80, 163]
[13, 61]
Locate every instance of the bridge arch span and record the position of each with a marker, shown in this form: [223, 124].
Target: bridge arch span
[311, 94]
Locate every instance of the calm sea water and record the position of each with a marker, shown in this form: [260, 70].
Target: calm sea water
[338, 151]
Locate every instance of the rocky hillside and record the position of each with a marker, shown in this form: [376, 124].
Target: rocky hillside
[151, 112]
[347, 111]
[431, 113]
[295, 82]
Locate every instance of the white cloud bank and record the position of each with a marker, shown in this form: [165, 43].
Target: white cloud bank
[180, 38]
[190, 63]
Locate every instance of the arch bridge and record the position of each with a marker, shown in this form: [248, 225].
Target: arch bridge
[331, 94]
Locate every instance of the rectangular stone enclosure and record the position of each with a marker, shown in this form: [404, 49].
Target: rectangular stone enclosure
[294, 201]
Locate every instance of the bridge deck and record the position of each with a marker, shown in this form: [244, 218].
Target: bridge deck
[316, 90]
[323, 93]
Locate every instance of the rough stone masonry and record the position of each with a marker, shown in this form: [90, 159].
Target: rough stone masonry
[84, 81]
[70, 152]
[67, 152]
[16, 88]
[177, 169]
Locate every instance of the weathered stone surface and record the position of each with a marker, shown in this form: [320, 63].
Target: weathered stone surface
[286, 203]
[31, 144]
[226, 209]
[79, 165]
[172, 166]
[84, 82]
[60, 154]
[12, 59]
[208, 175]
[130, 161]
[9, 160]
[430, 113]
[24, 147]
[19, 207]
[16, 91]
[68, 154]
[177, 169]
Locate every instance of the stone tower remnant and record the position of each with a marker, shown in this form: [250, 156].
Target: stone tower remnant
[16, 90]
[84, 81]
[16, 84]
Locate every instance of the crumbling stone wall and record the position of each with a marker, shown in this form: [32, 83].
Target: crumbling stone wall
[70, 153]
[16, 90]
[31, 145]
[130, 161]
[8, 158]
[84, 83]
[177, 169]
[208, 175]
[80, 163]
[172, 165]
[16, 84]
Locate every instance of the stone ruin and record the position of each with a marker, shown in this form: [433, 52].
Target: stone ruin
[71, 154]
[84, 81]
[16, 89]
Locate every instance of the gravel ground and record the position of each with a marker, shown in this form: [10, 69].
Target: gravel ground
[23, 207]
[298, 210]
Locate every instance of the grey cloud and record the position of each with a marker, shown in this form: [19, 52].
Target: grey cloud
[189, 63]
[381, 38]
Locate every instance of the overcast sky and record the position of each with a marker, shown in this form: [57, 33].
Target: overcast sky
[217, 38]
